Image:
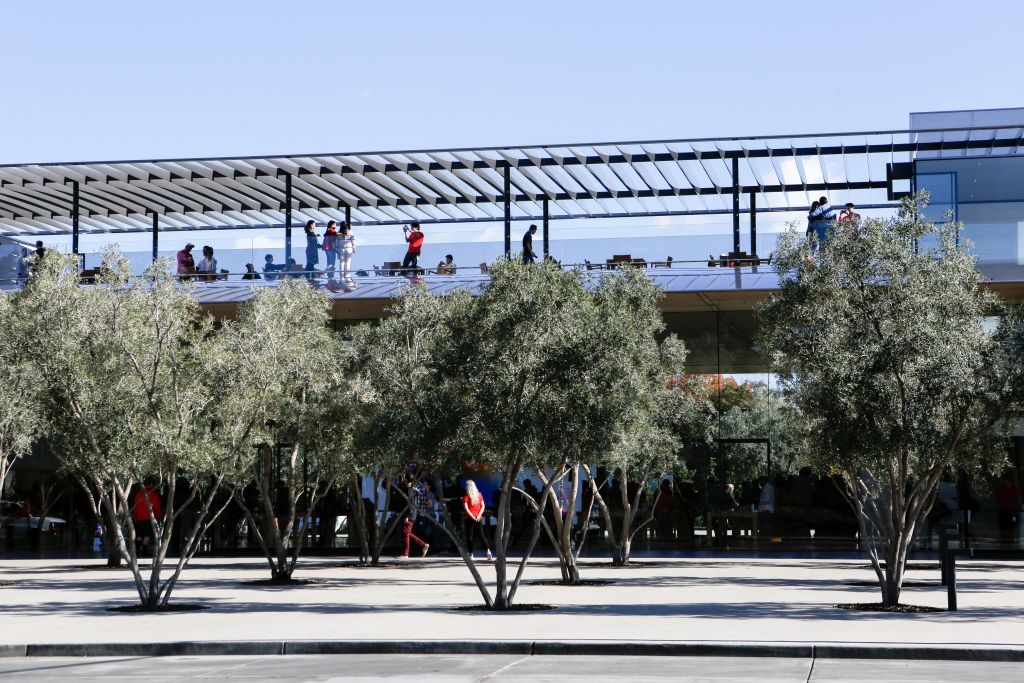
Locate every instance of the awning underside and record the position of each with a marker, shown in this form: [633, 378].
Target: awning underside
[579, 181]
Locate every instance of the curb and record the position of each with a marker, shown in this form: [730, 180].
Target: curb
[518, 647]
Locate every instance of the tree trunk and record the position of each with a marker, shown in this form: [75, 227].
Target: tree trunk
[357, 519]
[561, 536]
[113, 555]
[623, 551]
[501, 596]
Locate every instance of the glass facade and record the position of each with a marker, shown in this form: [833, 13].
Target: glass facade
[987, 196]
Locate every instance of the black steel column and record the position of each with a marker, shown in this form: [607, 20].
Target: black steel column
[753, 224]
[735, 205]
[74, 216]
[287, 219]
[156, 234]
[348, 216]
[508, 212]
[546, 217]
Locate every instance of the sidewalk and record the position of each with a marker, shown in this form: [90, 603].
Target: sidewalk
[759, 601]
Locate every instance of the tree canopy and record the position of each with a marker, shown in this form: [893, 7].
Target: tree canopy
[883, 347]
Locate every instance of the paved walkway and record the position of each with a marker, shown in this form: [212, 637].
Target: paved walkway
[762, 600]
[503, 668]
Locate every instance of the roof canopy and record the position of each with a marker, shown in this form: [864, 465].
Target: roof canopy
[596, 180]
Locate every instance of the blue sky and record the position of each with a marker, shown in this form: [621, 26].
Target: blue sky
[111, 80]
[126, 80]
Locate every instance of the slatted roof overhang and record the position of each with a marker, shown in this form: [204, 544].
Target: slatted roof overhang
[594, 180]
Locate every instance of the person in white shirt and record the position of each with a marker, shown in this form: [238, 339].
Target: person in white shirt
[208, 265]
[345, 243]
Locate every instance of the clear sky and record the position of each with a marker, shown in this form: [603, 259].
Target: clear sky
[118, 80]
[90, 81]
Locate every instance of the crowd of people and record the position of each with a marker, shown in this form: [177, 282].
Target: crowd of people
[339, 246]
[798, 509]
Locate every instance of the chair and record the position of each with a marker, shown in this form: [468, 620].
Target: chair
[223, 274]
[391, 267]
[483, 268]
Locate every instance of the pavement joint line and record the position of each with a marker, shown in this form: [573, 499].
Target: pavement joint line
[529, 648]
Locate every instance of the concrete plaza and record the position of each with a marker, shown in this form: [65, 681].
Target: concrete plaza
[676, 600]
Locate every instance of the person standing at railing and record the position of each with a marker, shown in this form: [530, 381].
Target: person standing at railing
[208, 264]
[346, 246]
[821, 219]
[412, 256]
[24, 265]
[528, 253]
[250, 273]
[330, 247]
[312, 250]
[186, 264]
[849, 219]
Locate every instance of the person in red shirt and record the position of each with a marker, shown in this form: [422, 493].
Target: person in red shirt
[328, 246]
[412, 256]
[473, 509]
[186, 263]
[143, 514]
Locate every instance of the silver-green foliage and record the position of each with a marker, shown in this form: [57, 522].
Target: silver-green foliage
[881, 344]
[19, 413]
[540, 370]
[769, 415]
[126, 392]
[285, 405]
[655, 415]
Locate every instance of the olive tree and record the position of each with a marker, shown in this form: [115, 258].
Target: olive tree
[653, 417]
[19, 413]
[124, 372]
[669, 415]
[408, 409]
[529, 373]
[882, 345]
[284, 405]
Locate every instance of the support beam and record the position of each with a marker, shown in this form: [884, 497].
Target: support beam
[348, 216]
[547, 217]
[156, 235]
[753, 224]
[507, 200]
[74, 216]
[287, 218]
[735, 206]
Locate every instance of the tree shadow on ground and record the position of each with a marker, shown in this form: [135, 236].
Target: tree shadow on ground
[704, 610]
[781, 610]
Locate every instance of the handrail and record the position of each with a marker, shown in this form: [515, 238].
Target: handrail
[704, 266]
